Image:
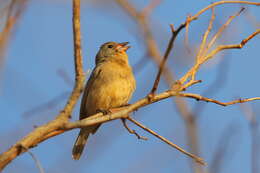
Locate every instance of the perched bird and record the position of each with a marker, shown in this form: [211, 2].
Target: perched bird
[111, 84]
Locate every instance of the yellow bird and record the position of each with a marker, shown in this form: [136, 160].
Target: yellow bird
[111, 85]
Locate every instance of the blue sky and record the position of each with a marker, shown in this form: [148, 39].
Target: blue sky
[42, 45]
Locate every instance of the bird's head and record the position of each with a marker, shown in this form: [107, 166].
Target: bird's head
[112, 50]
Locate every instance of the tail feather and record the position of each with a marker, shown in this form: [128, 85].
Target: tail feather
[80, 144]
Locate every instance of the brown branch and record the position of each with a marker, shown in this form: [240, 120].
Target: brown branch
[37, 162]
[232, 46]
[199, 97]
[216, 85]
[175, 33]
[211, 6]
[56, 127]
[133, 131]
[202, 60]
[186, 24]
[14, 12]
[192, 132]
[37, 135]
[214, 38]
[162, 64]
[196, 158]
[203, 50]
[61, 123]
[220, 3]
[77, 39]
[205, 37]
[151, 45]
[122, 113]
[186, 40]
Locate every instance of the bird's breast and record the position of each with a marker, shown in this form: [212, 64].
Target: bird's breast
[112, 87]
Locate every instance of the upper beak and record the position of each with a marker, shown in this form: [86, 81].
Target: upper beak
[122, 46]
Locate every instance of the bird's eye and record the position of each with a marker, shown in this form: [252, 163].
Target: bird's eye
[110, 46]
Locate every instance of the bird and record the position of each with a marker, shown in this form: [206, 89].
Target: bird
[110, 85]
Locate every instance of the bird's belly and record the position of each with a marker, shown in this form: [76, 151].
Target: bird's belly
[110, 94]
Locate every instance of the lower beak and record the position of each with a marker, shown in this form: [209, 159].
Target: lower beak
[122, 46]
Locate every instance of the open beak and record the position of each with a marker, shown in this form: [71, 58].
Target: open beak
[122, 47]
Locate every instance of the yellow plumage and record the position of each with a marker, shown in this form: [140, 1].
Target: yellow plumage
[110, 85]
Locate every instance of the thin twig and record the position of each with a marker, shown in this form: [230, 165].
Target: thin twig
[37, 162]
[132, 131]
[77, 39]
[78, 63]
[220, 3]
[151, 45]
[196, 67]
[196, 158]
[199, 97]
[205, 37]
[222, 28]
[165, 57]
[14, 10]
[35, 137]
[195, 17]
[231, 46]
[38, 134]
[61, 121]
[216, 85]
[186, 40]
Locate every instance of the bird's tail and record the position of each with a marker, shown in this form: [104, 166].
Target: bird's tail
[80, 143]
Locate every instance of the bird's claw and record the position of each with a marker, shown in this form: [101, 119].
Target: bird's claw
[104, 112]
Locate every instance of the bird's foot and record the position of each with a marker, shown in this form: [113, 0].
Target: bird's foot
[104, 112]
[125, 105]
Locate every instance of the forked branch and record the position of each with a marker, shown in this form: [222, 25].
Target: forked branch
[61, 123]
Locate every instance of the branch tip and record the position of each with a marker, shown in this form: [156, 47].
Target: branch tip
[131, 131]
[172, 28]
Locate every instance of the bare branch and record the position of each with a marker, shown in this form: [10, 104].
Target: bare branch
[151, 45]
[220, 3]
[232, 46]
[195, 17]
[37, 162]
[201, 61]
[199, 97]
[61, 123]
[162, 64]
[14, 12]
[196, 158]
[221, 30]
[205, 37]
[186, 40]
[77, 39]
[37, 135]
[133, 131]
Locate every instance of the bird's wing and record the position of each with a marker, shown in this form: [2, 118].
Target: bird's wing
[95, 73]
